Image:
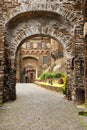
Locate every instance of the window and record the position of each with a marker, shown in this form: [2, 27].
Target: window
[27, 45]
[44, 59]
[42, 45]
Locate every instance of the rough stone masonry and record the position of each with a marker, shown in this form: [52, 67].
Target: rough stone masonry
[62, 20]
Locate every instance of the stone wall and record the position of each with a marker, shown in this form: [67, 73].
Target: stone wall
[2, 34]
[85, 40]
[86, 67]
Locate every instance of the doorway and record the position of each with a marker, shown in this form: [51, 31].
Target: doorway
[30, 76]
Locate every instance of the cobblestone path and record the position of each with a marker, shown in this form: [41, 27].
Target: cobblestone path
[39, 109]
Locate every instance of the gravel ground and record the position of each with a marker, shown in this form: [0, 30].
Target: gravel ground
[39, 109]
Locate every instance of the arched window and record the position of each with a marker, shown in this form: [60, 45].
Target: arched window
[42, 45]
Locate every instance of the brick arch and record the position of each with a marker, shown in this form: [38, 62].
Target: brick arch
[68, 14]
[75, 17]
[50, 32]
[34, 31]
[19, 39]
[22, 35]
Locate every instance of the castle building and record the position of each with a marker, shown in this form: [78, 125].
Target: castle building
[35, 56]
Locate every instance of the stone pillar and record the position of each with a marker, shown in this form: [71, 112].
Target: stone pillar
[69, 85]
[1, 68]
[79, 56]
[12, 86]
[69, 68]
[85, 41]
[2, 33]
[12, 80]
[85, 69]
[7, 69]
[10, 76]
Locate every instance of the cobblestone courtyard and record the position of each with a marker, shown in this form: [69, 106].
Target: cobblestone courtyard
[39, 109]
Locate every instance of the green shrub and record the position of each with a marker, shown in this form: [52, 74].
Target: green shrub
[48, 75]
[57, 75]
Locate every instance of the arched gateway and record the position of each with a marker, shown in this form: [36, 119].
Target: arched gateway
[43, 19]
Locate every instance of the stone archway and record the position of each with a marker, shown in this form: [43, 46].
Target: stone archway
[38, 30]
[69, 40]
[54, 34]
[56, 7]
[34, 29]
